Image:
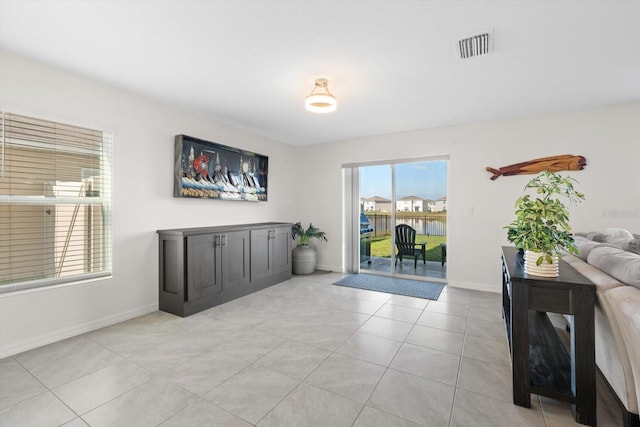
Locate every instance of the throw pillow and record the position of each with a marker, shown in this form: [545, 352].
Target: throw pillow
[597, 237]
[620, 243]
[618, 233]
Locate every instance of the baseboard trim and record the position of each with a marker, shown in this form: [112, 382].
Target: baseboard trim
[328, 268]
[496, 289]
[73, 331]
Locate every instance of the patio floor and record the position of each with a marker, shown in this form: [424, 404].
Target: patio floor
[432, 269]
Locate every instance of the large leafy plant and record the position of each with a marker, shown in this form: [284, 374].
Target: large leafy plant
[306, 235]
[542, 224]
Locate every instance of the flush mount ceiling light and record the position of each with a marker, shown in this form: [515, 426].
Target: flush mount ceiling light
[320, 100]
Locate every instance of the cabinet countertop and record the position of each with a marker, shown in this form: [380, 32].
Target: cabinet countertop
[221, 228]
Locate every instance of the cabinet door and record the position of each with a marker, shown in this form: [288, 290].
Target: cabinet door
[203, 267]
[260, 253]
[235, 258]
[281, 250]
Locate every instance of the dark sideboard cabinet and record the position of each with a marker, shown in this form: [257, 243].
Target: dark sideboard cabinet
[203, 267]
[540, 363]
[270, 252]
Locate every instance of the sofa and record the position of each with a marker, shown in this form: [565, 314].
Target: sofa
[611, 260]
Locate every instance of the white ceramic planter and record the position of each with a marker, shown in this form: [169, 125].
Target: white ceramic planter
[544, 270]
[304, 259]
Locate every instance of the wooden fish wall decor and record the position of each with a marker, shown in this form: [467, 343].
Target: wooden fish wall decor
[565, 162]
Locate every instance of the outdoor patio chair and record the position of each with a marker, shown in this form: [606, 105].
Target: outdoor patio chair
[407, 246]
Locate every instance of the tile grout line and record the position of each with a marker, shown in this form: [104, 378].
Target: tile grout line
[331, 353]
[290, 339]
[51, 390]
[302, 381]
[387, 368]
[455, 389]
[307, 376]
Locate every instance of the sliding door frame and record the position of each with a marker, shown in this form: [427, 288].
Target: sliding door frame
[351, 213]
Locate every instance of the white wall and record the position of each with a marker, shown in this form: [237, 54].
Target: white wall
[478, 208]
[143, 202]
[144, 132]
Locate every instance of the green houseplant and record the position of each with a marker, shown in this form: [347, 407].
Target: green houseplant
[304, 256]
[541, 227]
[306, 235]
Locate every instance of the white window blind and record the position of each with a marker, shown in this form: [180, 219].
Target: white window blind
[55, 203]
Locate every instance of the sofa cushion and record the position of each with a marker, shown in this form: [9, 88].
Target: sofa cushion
[603, 281]
[612, 356]
[585, 246]
[622, 265]
[626, 301]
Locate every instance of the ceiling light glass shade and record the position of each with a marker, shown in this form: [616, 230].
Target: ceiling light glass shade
[320, 100]
[320, 103]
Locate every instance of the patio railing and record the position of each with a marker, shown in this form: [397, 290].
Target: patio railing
[432, 223]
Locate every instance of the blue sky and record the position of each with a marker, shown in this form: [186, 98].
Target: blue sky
[427, 180]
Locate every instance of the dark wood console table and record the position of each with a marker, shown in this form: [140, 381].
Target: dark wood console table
[540, 362]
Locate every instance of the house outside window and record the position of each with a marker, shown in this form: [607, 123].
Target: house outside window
[441, 205]
[55, 203]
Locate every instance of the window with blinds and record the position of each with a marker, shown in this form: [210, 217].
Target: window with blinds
[55, 203]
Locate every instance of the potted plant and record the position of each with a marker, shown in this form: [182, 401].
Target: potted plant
[541, 227]
[304, 256]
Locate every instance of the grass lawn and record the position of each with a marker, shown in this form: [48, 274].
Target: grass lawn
[381, 246]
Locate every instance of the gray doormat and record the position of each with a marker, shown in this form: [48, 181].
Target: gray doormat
[393, 285]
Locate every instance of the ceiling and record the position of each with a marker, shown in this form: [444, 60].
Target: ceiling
[392, 65]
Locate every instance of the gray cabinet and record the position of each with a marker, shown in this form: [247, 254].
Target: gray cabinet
[203, 267]
[270, 252]
[281, 250]
[216, 262]
[234, 250]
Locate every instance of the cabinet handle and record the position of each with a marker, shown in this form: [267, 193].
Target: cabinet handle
[220, 240]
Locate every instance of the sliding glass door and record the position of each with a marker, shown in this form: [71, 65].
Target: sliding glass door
[403, 218]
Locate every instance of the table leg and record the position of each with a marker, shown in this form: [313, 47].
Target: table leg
[520, 344]
[583, 367]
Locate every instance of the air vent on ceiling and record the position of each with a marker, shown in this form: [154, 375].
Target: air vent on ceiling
[475, 45]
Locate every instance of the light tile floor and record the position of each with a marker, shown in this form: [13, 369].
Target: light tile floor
[300, 353]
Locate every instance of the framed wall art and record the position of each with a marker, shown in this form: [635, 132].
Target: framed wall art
[207, 170]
